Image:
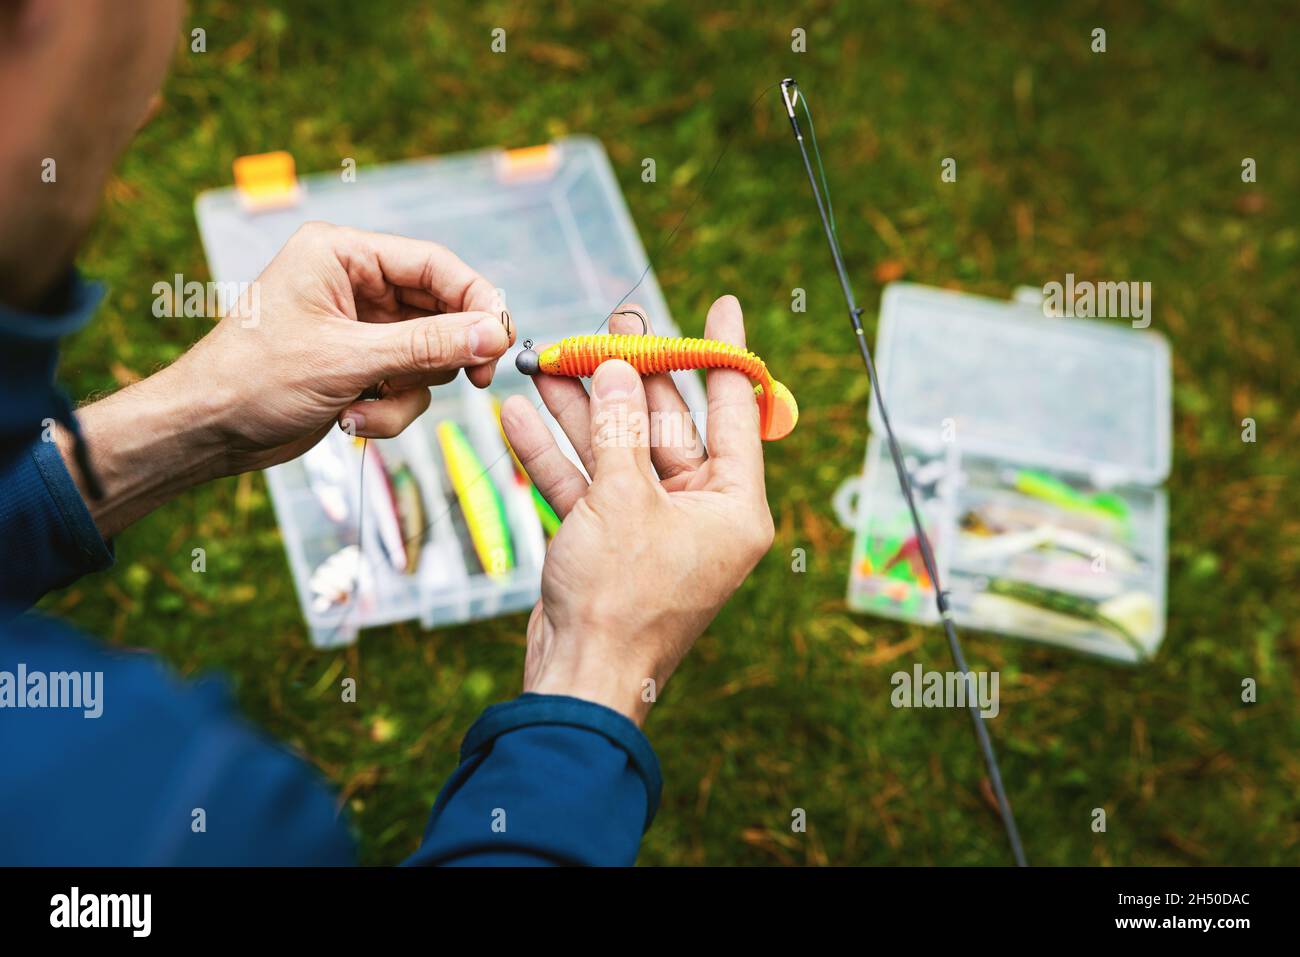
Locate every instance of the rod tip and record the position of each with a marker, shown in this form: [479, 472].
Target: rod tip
[790, 94]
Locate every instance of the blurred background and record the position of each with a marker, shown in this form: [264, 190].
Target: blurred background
[1122, 165]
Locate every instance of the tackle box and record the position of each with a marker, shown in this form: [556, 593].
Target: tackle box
[549, 226]
[1037, 447]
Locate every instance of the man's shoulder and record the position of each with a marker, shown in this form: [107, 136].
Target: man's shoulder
[113, 759]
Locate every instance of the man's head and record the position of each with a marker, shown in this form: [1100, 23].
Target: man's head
[77, 78]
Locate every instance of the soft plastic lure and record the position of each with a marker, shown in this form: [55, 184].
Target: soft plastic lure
[480, 502]
[578, 356]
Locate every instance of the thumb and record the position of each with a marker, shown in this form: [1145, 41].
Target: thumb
[620, 425]
[429, 344]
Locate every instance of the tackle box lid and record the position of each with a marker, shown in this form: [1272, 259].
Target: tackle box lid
[1083, 396]
[548, 224]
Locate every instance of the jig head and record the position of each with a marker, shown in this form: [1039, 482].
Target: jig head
[578, 356]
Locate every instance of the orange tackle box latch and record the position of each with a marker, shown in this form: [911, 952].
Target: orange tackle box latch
[267, 181]
[527, 163]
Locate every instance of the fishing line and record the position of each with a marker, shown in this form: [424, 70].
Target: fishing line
[790, 93]
[699, 192]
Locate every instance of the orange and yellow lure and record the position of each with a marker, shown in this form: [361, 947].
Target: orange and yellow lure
[578, 356]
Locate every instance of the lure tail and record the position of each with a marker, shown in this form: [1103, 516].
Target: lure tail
[579, 356]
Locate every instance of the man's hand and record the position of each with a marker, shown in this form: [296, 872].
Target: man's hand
[336, 313]
[342, 311]
[640, 565]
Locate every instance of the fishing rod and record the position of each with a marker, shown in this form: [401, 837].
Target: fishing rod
[821, 193]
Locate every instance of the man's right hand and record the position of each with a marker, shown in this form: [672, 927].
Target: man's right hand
[336, 312]
[640, 565]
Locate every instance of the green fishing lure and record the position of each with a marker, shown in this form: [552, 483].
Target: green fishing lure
[1050, 489]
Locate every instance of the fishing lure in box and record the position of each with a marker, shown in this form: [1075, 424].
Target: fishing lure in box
[977, 545]
[410, 512]
[480, 502]
[396, 507]
[579, 356]
[545, 514]
[327, 480]
[889, 574]
[1130, 616]
[338, 578]
[1048, 488]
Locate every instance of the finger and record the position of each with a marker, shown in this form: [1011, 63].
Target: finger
[399, 382]
[430, 344]
[620, 430]
[481, 376]
[555, 476]
[733, 411]
[398, 304]
[567, 401]
[423, 302]
[386, 417]
[676, 448]
[483, 379]
[375, 261]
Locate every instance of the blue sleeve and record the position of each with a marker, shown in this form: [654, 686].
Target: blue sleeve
[139, 768]
[47, 537]
[546, 779]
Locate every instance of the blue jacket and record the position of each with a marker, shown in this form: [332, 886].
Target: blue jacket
[129, 776]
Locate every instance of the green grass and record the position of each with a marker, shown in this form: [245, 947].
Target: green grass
[1114, 166]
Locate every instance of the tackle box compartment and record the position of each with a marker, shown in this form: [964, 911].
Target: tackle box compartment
[996, 405]
[550, 227]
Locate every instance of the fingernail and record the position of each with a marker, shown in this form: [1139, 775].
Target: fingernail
[613, 380]
[488, 338]
[352, 422]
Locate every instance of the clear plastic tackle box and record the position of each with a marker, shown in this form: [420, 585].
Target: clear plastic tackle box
[1037, 447]
[547, 225]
